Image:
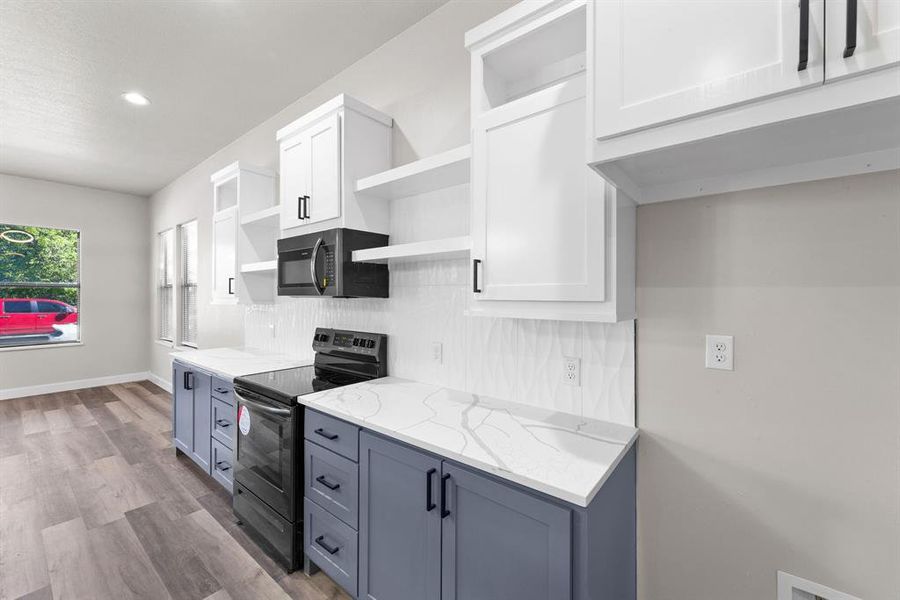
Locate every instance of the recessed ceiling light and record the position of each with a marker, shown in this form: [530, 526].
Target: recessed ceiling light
[136, 98]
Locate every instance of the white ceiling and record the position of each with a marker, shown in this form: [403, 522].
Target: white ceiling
[212, 70]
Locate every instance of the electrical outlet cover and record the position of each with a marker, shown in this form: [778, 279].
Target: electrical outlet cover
[571, 371]
[720, 352]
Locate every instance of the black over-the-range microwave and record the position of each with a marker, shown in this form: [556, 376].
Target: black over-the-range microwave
[321, 264]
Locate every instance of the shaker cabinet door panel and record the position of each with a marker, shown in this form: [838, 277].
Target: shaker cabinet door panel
[294, 167]
[658, 61]
[324, 180]
[538, 216]
[183, 408]
[224, 254]
[399, 531]
[871, 43]
[202, 424]
[500, 543]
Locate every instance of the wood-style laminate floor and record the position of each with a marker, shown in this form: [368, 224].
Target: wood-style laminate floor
[94, 504]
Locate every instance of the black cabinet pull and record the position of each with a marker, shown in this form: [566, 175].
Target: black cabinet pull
[331, 486]
[220, 467]
[222, 390]
[328, 548]
[429, 504]
[850, 48]
[475, 264]
[231, 285]
[444, 512]
[804, 35]
[325, 434]
[300, 207]
[188, 380]
[223, 423]
[305, 207]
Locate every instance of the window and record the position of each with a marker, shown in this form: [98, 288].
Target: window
[166, 285]
[189, 284]
[40, 285]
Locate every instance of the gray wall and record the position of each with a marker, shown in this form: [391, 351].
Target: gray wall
[114, 272]
[792, 461]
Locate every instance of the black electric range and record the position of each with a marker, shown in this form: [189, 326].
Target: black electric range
[268, 470]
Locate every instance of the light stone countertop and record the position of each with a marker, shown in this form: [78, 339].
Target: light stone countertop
[563, 455]
[234, 362]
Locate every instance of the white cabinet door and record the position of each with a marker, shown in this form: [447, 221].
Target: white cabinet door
[224, 255]
[293, 168]
[656, 61]
[324, 180]
[538, 211]
[872, 43]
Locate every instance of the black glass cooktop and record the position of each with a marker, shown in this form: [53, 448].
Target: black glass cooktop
[284, 385]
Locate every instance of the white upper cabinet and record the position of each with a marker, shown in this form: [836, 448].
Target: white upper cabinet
[550, 240]
[659, 60]
[321, 156]
[861, 35]
[697, 98]
[537, 208]
[242, 194]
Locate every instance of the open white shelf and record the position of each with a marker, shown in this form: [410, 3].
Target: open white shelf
[267, 216]
[455, 247]
[433, 173]
[260, 267]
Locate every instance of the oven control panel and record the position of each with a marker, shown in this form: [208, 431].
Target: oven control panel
[357, 342]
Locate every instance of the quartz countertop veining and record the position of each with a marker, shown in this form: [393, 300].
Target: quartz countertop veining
[234, 362]
[563, 455]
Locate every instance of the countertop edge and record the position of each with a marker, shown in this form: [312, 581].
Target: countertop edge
[185, 356]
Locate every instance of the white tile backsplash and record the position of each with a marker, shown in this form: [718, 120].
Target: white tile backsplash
[511, 359]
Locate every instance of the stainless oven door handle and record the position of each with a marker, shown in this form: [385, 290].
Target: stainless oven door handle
[281, 412]
[312, 266]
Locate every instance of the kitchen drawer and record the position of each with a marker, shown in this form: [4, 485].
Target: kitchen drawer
[334, 434]
[331, 544]
[223, 389]
[332, 481]
[222, 465]
[223, 422]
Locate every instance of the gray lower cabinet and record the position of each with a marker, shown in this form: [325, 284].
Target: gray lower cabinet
[499, 543]
[431, 530]
[399, 522]
[202, 425]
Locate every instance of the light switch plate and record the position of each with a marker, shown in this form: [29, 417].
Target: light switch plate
[720, 352]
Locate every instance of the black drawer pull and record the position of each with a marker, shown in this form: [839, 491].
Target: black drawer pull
[429, 503]
[444, 511]
[326, 435]
[850, 47]
[331, 486]
[223, 423]
[328, 548]
[222, 390]
[222, 468]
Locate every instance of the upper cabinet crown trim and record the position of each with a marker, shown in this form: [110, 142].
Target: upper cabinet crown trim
[512, 18]
[234, 169]
[338, 102]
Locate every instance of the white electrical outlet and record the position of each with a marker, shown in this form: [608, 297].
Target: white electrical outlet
[720, 352]
[437, 352]
[572, 371]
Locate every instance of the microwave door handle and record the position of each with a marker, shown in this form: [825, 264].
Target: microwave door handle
[312, 266]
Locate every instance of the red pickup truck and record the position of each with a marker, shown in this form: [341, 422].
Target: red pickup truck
[34, 316]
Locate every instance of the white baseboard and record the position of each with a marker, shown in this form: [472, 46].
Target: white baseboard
[65, 386]
[165, 384]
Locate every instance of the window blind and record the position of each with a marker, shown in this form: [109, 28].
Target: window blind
[166, 285]
[189, 284]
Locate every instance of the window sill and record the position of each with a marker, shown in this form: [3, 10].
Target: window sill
[165, 343]
[41, 346]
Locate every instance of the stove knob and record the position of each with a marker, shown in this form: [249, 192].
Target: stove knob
[356, 341]
[370, 344]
